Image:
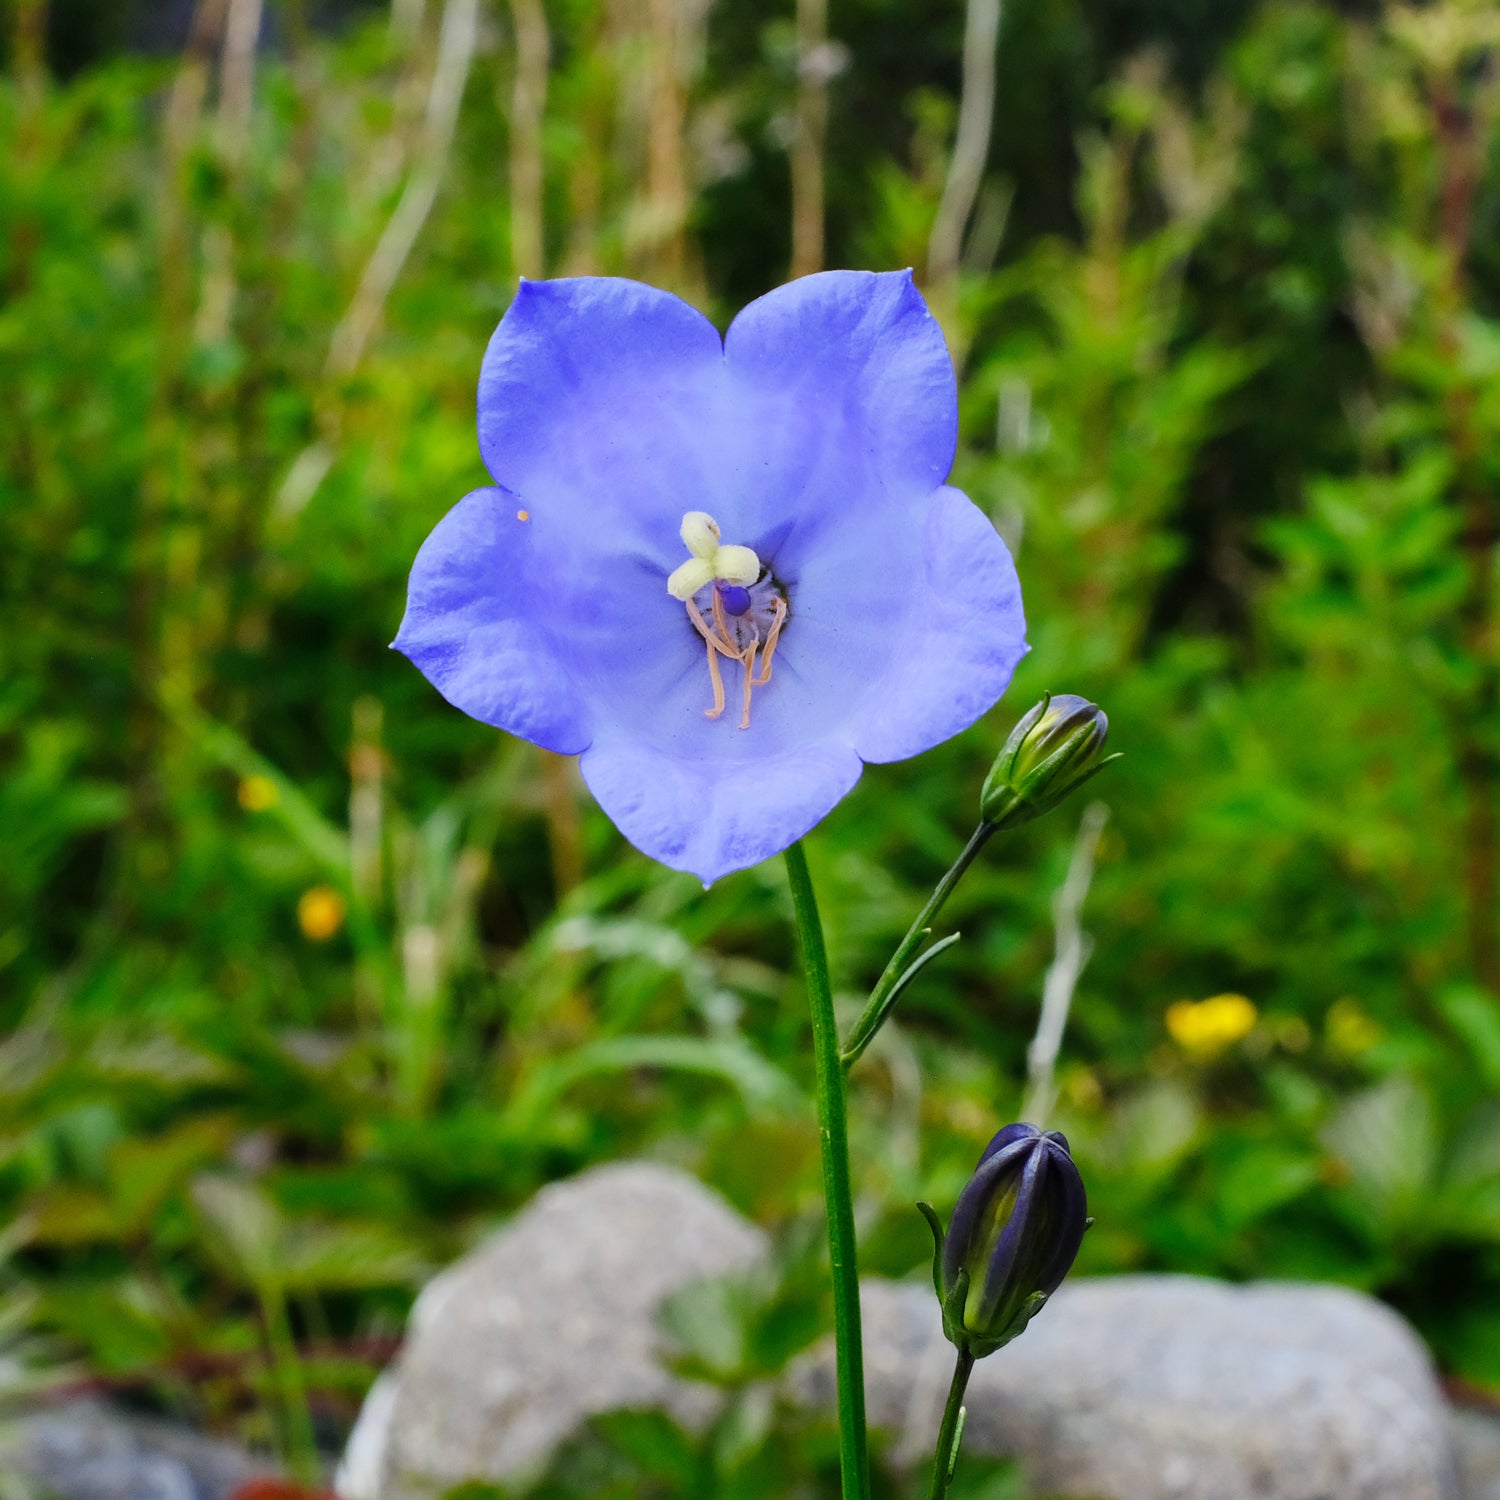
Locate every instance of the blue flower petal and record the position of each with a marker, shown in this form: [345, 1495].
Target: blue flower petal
[597, 404]
[819, 436]
[473, 628]
[960, 641]
[711, 818]
[848, 393]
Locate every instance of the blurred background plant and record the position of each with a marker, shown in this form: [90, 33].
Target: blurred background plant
[306, 979]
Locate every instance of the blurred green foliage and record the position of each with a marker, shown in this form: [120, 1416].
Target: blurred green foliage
[306, 979]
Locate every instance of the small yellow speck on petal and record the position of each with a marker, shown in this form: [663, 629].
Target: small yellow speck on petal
[320, 913]
[523, 515]
[257, 793]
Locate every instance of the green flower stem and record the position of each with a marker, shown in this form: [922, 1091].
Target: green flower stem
[951, 1433]
[286, 1369]
[854, 1464]
[878, 1005]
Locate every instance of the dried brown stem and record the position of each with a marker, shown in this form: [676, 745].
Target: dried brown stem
[667, 195]
[976, 113]
[456, 43]
[237, 76]
[346, 348]
[810, 140]
[528, 101]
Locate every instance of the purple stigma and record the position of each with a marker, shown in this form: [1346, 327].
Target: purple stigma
[736, 600]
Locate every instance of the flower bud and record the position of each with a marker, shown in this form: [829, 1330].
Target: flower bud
[1053, 750]
[1015, 1233]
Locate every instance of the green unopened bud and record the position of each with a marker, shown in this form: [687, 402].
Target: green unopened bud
[1015, 1233]
[1049, 754]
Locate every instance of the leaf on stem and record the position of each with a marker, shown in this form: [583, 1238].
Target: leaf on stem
[871, 1022]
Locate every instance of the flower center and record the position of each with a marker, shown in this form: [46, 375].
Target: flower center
[733, 603]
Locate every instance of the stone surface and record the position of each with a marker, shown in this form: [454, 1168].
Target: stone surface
[1130, 1388]
[1476, 1441]
[552, 1321]
[1177, 1388]
[86, 1450]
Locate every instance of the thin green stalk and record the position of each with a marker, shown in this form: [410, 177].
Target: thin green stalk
[833, 1134]
[286, 1369]
[951, 1433]
[874, 1013]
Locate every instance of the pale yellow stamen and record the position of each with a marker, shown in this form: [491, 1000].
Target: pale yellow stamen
[716, 679]
[778, 619]
[716, 649]
[712, 561]
[721, 647]
[749, 682]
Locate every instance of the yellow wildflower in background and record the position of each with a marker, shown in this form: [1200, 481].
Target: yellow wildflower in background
[1205, 1028]
[257, 793]
[320, 912]
[1349, 1029]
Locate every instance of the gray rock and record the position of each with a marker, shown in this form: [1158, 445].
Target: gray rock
[86, 1450]
[1131, 1388]
[550, 1322]
[1177, 1388]
[1476, 1440]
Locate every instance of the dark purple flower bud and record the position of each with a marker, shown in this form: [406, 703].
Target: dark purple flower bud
[736, 599]
[1050, 753]
[1015, 1233]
